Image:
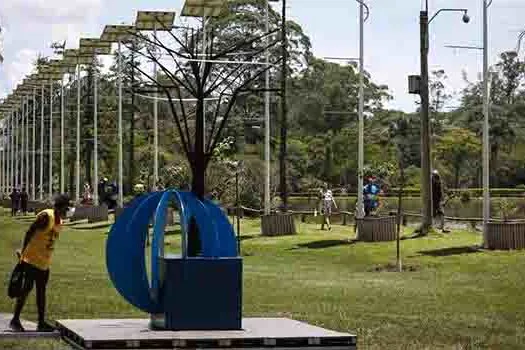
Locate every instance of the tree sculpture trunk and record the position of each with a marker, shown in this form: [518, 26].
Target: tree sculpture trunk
[198, 177]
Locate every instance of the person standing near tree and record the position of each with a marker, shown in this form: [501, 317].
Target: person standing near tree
[24, 199]
[15, 201]
[327, 202]
[437, 200]
[371, 196]
[35, 260]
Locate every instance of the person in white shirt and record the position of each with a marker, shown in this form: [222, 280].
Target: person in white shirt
[327, 201]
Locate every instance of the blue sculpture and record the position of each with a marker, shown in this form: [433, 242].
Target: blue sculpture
[185, 293]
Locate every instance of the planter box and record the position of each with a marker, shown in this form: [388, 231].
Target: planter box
[506, 235]
[37, 207]
[278, 225]
[98, 214]
[81, 213]
[377, 229]
[92, 214]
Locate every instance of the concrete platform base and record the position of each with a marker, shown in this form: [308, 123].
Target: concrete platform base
[30, 327]
[257, 333]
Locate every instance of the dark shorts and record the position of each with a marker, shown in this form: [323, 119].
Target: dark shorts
[34, 275]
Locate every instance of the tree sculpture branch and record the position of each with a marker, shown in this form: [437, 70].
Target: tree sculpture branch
[212, 76]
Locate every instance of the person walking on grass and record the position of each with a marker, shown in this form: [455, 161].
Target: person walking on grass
[326, 206]
[437, 201]
[35, 260]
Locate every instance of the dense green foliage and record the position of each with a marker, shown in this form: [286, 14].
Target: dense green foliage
[322, 106]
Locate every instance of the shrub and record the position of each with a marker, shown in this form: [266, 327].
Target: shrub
[465, 197]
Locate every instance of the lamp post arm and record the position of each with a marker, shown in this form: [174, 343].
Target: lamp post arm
[367, 12]
[520, 38]
[446, 10]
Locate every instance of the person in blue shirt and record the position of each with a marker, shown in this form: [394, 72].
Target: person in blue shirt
[371, 196]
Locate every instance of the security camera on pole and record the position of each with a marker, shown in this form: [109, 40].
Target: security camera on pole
[419, 85]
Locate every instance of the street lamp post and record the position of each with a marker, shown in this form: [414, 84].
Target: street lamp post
[62, 155]
[486, 112]
[284, 118]
[17, 150]
[91, 47]
[74, 59]
[119, 34]
[27, 155]
[361, 148]
[155, 123]
[155, 21]
[77, 156]
[8, 158]
[41, 191]
[13, 151]
[50, 180]
[267, 199]
[33, 158]
[426, 191]
[486, 126]
[22, 141]
[267, 125]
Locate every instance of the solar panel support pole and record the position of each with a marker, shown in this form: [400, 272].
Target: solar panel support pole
[155, 125]
[41, 196]
[77, 165]
[120, 151]
[33, 158]
[62, 155]
[50, 180]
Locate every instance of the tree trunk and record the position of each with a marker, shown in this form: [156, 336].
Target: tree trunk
[88, 165]
[71, 181]
[456, 176]
[198, 176]
[494, 164]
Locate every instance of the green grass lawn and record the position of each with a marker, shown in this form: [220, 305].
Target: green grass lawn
[451, 297]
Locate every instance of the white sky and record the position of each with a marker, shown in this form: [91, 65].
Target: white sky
[391, 34]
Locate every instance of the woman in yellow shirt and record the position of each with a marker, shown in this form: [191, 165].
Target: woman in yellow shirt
[35, 259]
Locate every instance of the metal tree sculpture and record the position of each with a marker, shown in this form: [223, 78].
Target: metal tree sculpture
[202, 70]
[196, 72]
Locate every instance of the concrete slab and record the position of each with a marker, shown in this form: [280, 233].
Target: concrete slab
[30, 327]
[257, 333]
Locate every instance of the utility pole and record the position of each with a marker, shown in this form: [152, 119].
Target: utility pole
[267, 158]
[426, 191]
[361, 147]
[284, 120]
[131, 162]
[486, 126]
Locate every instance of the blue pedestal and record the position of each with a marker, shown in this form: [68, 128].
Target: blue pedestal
[202, 293]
